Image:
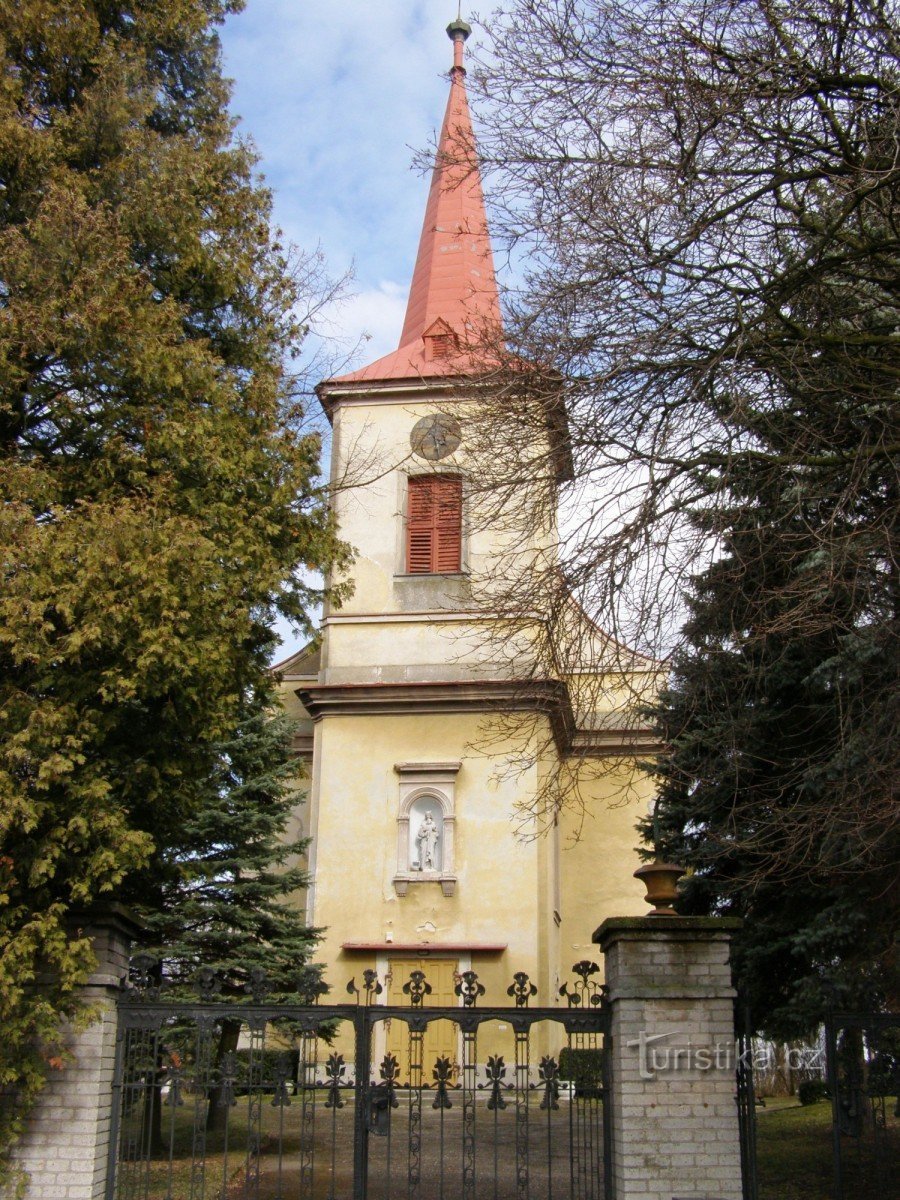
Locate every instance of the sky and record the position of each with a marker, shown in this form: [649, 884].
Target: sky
[337, 97]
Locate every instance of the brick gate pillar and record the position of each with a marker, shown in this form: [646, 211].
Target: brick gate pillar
[674, 1113]
[65, 1147]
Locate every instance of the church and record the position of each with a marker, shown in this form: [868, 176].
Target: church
[416, 860]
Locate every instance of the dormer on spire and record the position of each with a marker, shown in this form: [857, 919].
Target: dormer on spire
[440, 341]
[453, 281]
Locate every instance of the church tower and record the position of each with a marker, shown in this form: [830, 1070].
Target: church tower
[414, 859]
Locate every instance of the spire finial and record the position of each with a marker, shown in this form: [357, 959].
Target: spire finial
[457, 32]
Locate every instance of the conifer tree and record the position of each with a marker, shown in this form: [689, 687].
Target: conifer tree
[221, 896]
[158, 485]
[228, 896]
[777, 792]
[780, 788]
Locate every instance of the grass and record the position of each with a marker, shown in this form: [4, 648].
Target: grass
[168, 1175]
[317, 1155]
[794, 1156]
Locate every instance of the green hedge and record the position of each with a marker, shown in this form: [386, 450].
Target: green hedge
[584, 1068]
[811, 1091]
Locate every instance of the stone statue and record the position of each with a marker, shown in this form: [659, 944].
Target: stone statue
[427, 838]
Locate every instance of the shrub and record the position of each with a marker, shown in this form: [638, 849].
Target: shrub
[584, 1068]
[811, 1091]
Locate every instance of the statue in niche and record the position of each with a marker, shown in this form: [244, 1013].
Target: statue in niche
[427, 838]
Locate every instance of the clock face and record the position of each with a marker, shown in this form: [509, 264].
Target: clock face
[435, 436]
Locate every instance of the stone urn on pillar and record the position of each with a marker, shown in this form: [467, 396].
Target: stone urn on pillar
[661, 881]
[659, 878]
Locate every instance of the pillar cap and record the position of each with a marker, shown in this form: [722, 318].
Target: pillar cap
[107, 915]
[636, 928]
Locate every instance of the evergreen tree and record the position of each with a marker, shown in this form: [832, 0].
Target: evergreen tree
[159, 489]
[226, 896]
[222, 896]
[775, 759]
[780, 790]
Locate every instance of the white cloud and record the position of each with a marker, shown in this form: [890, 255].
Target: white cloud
[375, 317]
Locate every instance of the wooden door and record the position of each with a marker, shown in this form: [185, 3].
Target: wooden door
[441, 1039]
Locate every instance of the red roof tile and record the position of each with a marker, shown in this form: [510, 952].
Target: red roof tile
[453, 282]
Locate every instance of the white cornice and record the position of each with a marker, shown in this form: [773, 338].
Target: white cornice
[481, 696]
[417, 618]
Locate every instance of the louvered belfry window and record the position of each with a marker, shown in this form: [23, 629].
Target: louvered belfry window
[439, 345]
[434, 525]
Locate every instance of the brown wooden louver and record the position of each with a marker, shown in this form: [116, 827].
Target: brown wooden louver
[439, 345]
[434, 525]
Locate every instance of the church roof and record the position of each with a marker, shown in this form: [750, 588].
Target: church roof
[453, 307]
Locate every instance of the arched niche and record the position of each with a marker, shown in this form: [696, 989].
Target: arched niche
[426, 819]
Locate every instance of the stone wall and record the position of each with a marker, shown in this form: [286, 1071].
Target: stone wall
[674, 1112]
[66, 1146]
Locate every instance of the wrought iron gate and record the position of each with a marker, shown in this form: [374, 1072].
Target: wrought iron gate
[224, 1100]
[746, 1100]
[863, 1075]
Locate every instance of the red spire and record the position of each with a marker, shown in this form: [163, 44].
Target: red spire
[453, 300]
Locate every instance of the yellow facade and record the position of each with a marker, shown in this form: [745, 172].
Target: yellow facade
[403, 689]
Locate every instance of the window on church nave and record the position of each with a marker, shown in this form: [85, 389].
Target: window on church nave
[434, 525]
